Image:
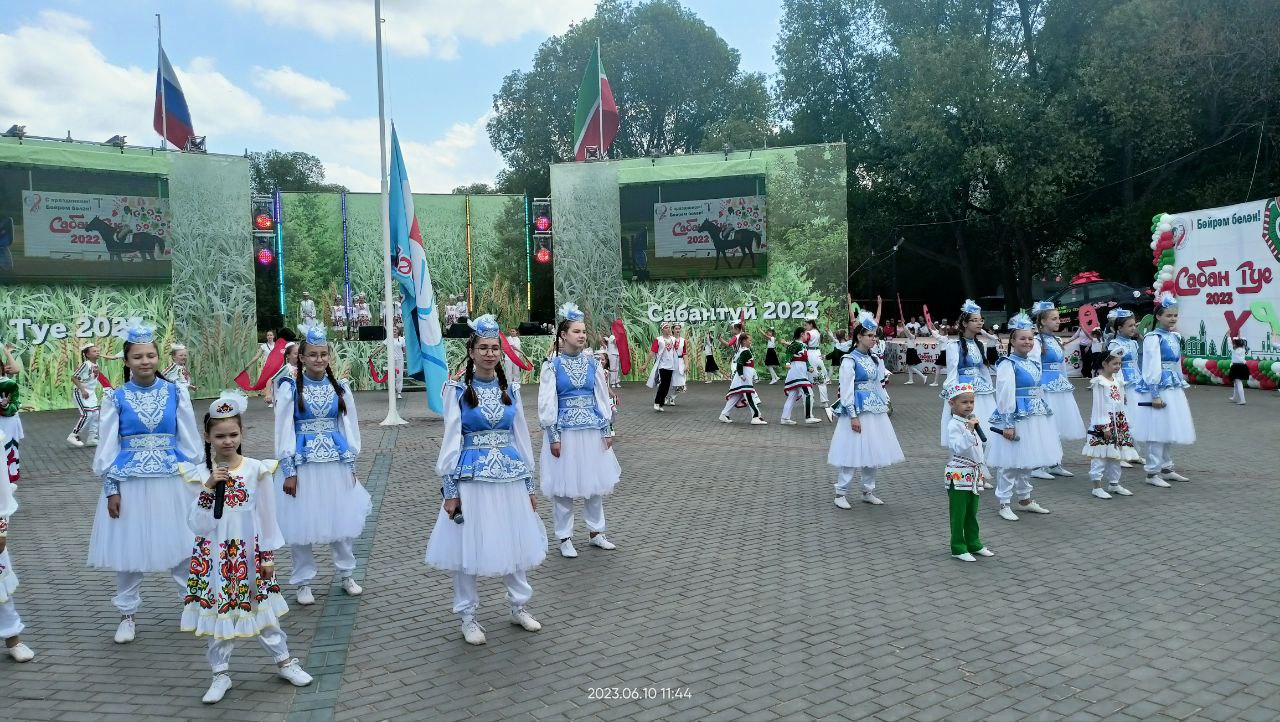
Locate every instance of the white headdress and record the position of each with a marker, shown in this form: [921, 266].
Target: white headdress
[571, 312]
[231, 402]
[485, 326]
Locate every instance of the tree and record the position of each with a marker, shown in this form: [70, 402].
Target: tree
[293, 171]
[674, 79]
[474, 189]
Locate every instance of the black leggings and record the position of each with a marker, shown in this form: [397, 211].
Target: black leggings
[664, 387]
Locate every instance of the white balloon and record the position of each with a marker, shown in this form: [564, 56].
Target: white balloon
[1165, 226]
[1153, 245]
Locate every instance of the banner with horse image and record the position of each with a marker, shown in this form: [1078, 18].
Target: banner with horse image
[703, 229]
[100, 227]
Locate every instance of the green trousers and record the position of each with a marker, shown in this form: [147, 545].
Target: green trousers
[964, 521]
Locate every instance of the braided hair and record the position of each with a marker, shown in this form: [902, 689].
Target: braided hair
[965, 340]
[469, 396]
[328, 371]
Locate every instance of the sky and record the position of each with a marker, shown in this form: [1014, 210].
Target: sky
[301, 74]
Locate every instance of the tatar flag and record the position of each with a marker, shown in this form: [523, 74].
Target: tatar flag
[172, 119]
[595, 122]
[423, 339]
[272, 364]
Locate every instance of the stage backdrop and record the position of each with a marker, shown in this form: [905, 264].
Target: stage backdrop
[63, 284]
[793, 197]
[1226, 274]
[476, 251]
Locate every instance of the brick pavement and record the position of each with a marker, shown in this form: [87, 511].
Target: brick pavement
[736, 579]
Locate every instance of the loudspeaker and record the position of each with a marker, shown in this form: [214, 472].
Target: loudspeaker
[529, 328]
[459, 329]
[372, 333]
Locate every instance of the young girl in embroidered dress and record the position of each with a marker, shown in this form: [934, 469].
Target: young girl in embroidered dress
[488, 525]
[10, 415]
[577, 444]
[967, 364]
[771, 361]
[85, 394]
[1058, 392]
[317, 440]
[231, 589]
[1122, 328]
[1025, 437]
[867, 442]
[10, 623]
[147, 428]
[799, 383]
[1167, 421]
[742, 388]
[1109, 441]
[177, 370]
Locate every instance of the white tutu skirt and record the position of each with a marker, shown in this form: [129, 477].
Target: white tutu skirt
[330, 506]
[984, 405]
[151, 534]
[1170, 425]
[1037, 445]
[585, 468]
[500, 532]
[876, 446]
[1066, 415]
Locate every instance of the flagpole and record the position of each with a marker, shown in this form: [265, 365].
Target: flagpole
[164, 113]
[600, 92]
[393, 414]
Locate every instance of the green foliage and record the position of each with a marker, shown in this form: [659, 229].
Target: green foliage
[294, 171]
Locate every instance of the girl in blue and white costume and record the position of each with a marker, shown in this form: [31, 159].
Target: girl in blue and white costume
[146, 429]
[317, 441]
[577, 445]
[1025, 437]
[486, 464]
[1058, 392]
[867, 440]
[1167, 420]
[967, 364]
[1122, 327]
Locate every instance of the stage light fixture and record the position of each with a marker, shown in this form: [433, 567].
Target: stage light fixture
[263, 222]
[542, 224]
[542, 255]
[265, 256]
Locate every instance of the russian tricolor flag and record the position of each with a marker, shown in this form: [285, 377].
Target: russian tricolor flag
[172, 119]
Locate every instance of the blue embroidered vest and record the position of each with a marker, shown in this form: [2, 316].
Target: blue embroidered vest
[969, 367]
[1129, 370]
[318, 427]
[576, 392]
[148, 431]
[1052, 367]
[488, 445]
[869, 396]
[1170, 360]
[1028, 396]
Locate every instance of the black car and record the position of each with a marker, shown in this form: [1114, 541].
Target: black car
[1102, 295]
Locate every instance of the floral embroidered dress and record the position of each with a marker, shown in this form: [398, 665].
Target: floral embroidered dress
[11, 426]
[1109, 436]
[1131, 375]
[228, 594]
[8, 505]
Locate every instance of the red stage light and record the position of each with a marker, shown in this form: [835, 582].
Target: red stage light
[265, 256]
[543, 255]
[542, 223]
[263, 222]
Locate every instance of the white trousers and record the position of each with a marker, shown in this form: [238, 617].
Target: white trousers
[792, 397]
[1107, 470]
[87, 426]
[1159, 458]
[844, 479]
[1238, 393]
[304, 561]
[466, 600]
[10, 622]
[399, 371]
[271, 638]
[128, 596]
[562, 512]
[732, 403]
[913, 372]
[1010, 482]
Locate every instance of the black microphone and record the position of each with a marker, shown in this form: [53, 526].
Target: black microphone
[1145, 403]
[220, 492]
[978, 430]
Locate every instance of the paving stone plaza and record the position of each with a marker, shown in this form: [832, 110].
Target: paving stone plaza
[738, 590]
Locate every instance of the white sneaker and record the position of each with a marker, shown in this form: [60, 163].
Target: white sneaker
[786, 422]
[125, 632]
[1032, 507]
[1172, 475]
[93, 441]
[1057, 470]
[567, 550]
[1119, 490]
[757, 421]
[912, 381]
[1040, 474]
[473, 632]
[657, 407]
[1007, 513]
[843, 502]
[1100, 493]
[21, 653]
[773, 382]
[218, 689]
[1239, 403]
[399, 396]
[74, 441]
[871, 498]
[986, 486]
[294, 672]
[305, 597]
[601, 541]
[1126, 465]
[966, 557]
[671, 401]
[935, 383]
[813, 420]
[351, 588]
[521, 618]
[1157, 481]
[726, 419]
[985, 552]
